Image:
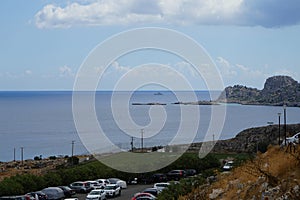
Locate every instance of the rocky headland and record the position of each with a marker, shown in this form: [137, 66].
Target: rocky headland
[277, 91]
[252, 139]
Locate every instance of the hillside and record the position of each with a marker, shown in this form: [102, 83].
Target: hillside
[278, 90]
[272, 175]
[252, 139]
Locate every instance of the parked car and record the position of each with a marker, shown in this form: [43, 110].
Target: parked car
[228, 165]
[67, 191]
[80, 187]
[176, 174]
[190, 172]
[295, 139]
[102, 182]
[143, 196]
[152, 191]
[19, 197]
[38, 195]
[94, 185]
[96, 195]
[120, 182]
[159, 178]
[112, 190]
[133, 181]
[54, 193]
[161, 186]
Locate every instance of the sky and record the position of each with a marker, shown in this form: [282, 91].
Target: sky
[44, 43]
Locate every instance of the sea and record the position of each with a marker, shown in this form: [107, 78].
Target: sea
[41, 123]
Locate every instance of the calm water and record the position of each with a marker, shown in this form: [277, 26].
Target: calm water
[42, 122]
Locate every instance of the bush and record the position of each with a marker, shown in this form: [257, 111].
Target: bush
[73, 160]
[182, 188]
[21, 184]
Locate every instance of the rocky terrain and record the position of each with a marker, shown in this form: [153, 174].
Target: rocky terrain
[274, 174]
[252, 139]
[278, 90]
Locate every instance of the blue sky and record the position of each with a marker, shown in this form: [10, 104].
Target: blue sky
[43, 43]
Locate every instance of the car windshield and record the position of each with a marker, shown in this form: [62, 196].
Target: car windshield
[161, 185]
[110, 187]
[113, 180]
[95, 192]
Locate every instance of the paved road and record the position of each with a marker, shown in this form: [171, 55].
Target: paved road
[126, 194]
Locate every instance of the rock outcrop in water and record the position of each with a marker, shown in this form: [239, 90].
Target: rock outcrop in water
[277, 91]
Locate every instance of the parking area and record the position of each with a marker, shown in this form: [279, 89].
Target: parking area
[126, 194]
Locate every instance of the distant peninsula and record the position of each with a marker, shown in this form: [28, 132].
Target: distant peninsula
[277, 91]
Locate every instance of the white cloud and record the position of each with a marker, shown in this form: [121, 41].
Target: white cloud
[226, 68]
[240, 74]
[119, 68]
[267, 13]
[65, 71]
[126, 12]
[28, 72]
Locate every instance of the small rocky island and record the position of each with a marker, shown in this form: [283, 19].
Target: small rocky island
[277, 91]
[198, 103]
[149, 104]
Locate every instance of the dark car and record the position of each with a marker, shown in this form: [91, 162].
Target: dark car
[156, 178]
[190, 172]
[152, 191]
[176, 174]
[39, 194]
[67, 191]
[54, 193]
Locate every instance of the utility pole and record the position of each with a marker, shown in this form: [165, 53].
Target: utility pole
[284, 115]
[14, 154]
[73, 142]
[131, 143]
[213, 142]
[279, 114]
[22, 155]
[142, 139]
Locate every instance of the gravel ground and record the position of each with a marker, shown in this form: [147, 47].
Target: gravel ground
[126, 194]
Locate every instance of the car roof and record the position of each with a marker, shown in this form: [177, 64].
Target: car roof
[148, 189]
[97, 190]
[163, 183]
[112, 185]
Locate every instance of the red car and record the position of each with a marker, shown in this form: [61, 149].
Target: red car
[139, 195]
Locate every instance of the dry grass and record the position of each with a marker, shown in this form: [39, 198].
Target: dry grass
[275, 168]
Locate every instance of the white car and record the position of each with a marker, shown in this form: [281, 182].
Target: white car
[96, 195]
[112, 190]
[294, 139]
[228, 165]
[102, 182]
[94, 185]
[161, 186]
[120, 182]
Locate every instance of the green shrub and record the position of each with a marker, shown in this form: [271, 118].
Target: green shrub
[184, 187]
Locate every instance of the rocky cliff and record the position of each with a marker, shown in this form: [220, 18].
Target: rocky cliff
[278, 90]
